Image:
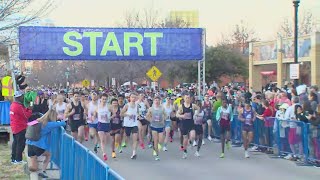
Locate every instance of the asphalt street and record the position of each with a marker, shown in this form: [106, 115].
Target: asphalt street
[209, 166]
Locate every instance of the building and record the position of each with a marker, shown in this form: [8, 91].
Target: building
[270, 61]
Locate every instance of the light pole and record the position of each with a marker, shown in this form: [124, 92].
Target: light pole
[296, 6]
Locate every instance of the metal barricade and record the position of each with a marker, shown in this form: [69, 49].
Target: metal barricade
[291, 138]
[312, 145]
[68, 155]
[114, 176]
[80, 161]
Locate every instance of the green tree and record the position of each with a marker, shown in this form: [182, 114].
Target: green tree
[220, 61]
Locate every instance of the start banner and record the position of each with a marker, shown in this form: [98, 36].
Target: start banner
[113, 44]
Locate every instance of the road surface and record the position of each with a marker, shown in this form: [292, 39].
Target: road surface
[208, 166]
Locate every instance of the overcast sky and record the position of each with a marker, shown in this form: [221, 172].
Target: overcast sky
[217, 16]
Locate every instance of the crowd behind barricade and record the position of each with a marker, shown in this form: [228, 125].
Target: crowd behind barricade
[281, 121]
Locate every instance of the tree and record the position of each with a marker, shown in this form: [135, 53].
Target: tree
[14, 13]
[239, 37]
[220, 61]
[306, 26]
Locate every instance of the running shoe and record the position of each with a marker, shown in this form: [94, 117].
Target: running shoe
[95, 149]
[197, 154]
[203, 142]
[154, 153]
[254, 148]
[123, 144]
[113, 154]
[86, 138]
[134, 156]
[21, 162]
[142, 145]
[209, 138]
[246, 154]
[181, 148]
[228, 144]
[164, 148]
[194, 143]
[184, 156]
[288, 157]
[120, 149]
[105, 157]
[150, 145]
[98, 146]
[171, 140]
[222, 155]
[43, 174]
[157, 158]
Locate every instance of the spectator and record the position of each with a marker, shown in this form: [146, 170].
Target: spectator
[19, 116]
[315, 90]
[42, 146]
[313, 101]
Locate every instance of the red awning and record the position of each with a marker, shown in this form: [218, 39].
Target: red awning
[268, 73]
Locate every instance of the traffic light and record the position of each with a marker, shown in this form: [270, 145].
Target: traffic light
[20, 82]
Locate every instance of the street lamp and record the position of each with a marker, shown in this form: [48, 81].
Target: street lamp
[296, 6]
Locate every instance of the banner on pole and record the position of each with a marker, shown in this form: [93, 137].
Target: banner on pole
[111, 44]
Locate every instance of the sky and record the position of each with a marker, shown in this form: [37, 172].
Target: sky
[217, 16]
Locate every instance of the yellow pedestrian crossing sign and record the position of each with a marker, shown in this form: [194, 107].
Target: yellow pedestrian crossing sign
[85, 83]
[154, 73]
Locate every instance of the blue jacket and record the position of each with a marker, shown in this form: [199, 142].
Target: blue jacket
[43, 142]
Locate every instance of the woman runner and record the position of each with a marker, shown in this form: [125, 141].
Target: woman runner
[116, 126]
[199, 121]
[103, 113]
[168, 124]
[224, 116]
[247, 116]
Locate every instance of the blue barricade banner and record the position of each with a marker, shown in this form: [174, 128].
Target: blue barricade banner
[4, 112]
[76, 43]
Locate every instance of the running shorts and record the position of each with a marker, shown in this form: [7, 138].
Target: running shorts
[158, 130]
[103, 127]
[95, 126]
[131, 130]
[198, 129]
[186, 126]
[168, 124]
[247, 128]
[74, 125]
[144, 122]
[224, 126]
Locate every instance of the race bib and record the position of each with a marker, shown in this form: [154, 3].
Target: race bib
[157, 118]
[199, 120]
[116, 120]
[132, 117]
[76, 117]
[188, 115]
[104, 118]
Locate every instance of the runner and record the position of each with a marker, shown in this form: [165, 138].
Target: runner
[92, 120]
[170, 115]
[247, 116]
[116, 126]
[199, 120]
[143, 105]
[130, 122]
[186, 113]
[103, 113]
[60, 107]
[224, 116]
[157, 115]
[84, 102]
[207, 107]
[121, 102]
[75, 112]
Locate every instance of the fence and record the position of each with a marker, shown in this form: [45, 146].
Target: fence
[282, 136]
[4, 112]
[76, 161]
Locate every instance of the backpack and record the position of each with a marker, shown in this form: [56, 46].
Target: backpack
[33, 132]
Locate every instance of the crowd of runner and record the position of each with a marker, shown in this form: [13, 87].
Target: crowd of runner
[151, 119]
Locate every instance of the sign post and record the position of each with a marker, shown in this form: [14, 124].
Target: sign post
[294, 71]
[85, 83]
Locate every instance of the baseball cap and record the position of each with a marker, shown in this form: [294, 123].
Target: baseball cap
[18, 94]
[284, 106]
